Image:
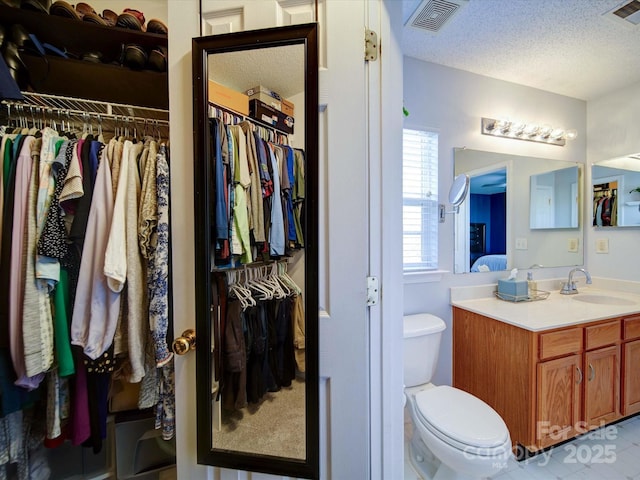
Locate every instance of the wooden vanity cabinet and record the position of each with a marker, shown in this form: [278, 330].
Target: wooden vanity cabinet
[553, 385]
[631, 366]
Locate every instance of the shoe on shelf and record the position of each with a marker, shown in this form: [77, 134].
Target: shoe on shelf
[17, 68]
[134, 57]
[156, 26]
[26, 41]
[40, 6]
[128, 20]
[63, 9]
[158, 59]
[110, 17]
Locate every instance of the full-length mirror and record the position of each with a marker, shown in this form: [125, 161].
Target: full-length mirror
[256, 142]
[499, 230]
[615, 190]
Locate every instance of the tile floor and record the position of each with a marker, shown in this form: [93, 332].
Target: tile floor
[610, 453]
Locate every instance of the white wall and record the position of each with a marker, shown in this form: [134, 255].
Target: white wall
[613, 130]
[453, 102]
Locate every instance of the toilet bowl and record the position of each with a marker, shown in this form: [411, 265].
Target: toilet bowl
[455, 434]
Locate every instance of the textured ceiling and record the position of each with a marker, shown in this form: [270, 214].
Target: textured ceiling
[280, 69]
[562, 46]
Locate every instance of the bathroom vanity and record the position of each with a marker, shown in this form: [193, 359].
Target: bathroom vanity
[553, 369]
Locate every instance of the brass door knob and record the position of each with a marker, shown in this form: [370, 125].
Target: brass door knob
[185, 343]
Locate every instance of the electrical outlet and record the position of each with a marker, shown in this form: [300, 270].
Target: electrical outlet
[521, 244]
[572, 245]
[602, 245]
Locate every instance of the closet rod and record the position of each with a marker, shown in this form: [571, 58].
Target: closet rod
[79, 106]
[215, 111]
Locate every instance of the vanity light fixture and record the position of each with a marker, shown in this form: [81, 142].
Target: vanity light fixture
[527, 131]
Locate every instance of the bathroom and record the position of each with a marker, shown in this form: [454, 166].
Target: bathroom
[607, 129]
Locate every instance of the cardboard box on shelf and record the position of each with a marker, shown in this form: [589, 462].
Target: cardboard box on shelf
[269, 115]
[272, 98]
[227, 98]
[265, 90]
[287, 107]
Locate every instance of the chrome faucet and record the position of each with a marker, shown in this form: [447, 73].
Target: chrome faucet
[569, 288]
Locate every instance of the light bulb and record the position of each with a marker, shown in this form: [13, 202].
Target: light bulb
[518, 127]
[531, 130]
[545, 131]
[571, 134]
[557, 133]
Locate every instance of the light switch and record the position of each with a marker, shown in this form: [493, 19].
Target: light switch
[602, 245]
[521, 244]
[572, 245]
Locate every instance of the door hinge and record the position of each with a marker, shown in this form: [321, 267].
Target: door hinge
[370, 46]
[373, 291]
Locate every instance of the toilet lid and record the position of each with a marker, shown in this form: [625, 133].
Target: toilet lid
[456, 415]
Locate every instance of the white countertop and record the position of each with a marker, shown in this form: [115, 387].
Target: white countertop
[555, 311]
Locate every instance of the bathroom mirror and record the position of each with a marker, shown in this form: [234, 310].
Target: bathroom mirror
[257, 302]
[494, 231]
[615, 191]
[554, 199]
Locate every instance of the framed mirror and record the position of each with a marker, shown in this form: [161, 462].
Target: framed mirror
[256, 214]
[615, 192]
[500, 225]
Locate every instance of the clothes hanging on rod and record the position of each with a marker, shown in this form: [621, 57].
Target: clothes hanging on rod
[266, 132]
[257, 195]
[70, 325]
[605, 205]
[259, 330]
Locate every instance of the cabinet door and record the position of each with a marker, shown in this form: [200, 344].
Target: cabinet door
[631, 378]
[602, 386]
[558, 405]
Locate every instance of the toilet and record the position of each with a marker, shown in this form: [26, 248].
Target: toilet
[455, 435]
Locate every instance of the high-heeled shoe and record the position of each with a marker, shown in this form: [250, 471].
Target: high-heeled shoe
[17, 68]
[26, 41]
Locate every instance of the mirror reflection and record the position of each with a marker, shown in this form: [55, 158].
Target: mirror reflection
[256, 250]
[615, 187]
[492, 232]
[261, 403]
[554, 199]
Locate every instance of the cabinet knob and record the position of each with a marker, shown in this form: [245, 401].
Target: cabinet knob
[580, 376]
[185, 343]
[592, 372]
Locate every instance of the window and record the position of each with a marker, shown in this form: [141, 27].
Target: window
[420, 200]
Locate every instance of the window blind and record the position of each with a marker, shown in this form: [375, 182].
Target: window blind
[420, 200]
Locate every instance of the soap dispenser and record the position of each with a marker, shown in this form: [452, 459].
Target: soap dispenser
[532, 285]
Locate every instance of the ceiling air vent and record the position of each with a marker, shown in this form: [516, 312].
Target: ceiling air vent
[432, 15]
[627, 12]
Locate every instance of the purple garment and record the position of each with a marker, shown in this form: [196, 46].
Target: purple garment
[81, 428]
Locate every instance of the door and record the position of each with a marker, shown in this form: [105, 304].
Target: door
[631, 378]
[349, 431]
[558, 411]
[602, 386]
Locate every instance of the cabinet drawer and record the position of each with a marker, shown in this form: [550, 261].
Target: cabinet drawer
[632, 327]
[562, 342]
[602, 334]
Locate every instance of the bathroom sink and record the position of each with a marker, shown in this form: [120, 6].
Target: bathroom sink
[603, 299]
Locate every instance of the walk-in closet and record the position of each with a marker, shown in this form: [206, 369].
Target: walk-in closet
[86, 360]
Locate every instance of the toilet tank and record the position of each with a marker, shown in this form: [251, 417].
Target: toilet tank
[422, 333]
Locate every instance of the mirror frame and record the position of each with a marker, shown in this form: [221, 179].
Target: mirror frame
[202, 47]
